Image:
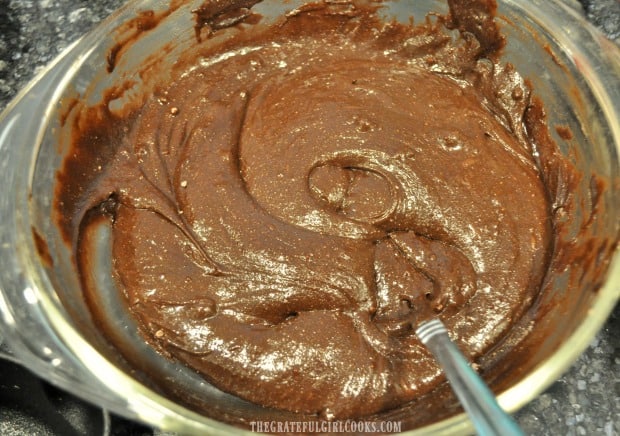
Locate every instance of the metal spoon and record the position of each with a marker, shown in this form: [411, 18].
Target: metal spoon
[475, 396]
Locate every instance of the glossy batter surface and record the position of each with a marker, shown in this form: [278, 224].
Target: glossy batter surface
[286, 209]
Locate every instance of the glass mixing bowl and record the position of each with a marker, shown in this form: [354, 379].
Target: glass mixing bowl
[44, 320]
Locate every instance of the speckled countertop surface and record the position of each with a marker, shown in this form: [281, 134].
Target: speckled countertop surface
[585, 401]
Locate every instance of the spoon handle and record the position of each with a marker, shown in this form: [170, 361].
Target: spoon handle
[475, 396]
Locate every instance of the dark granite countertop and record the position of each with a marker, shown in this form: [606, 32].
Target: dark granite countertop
[585, 401]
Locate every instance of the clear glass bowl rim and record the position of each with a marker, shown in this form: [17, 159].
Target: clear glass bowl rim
[142, 403]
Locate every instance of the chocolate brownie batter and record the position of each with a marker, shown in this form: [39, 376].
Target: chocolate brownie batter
[290, 204]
